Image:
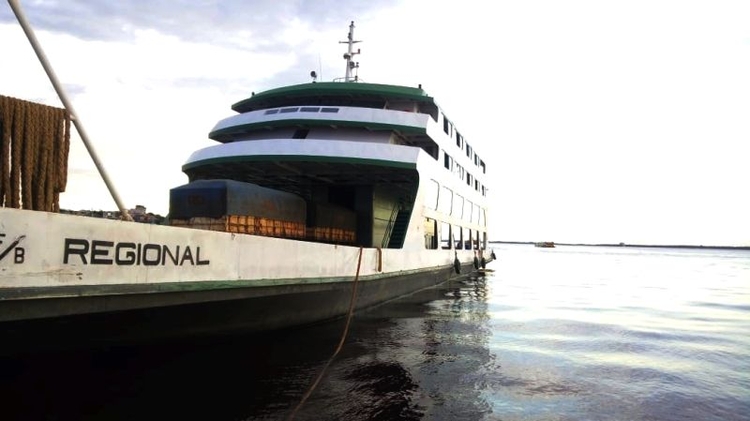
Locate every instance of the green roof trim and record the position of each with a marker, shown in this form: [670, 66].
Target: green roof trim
[332, 89]
[264, 125]
[297, 158]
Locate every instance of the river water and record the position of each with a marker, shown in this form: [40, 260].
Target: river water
[570, 333]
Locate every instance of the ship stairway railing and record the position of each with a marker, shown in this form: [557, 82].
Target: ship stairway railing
[395, 232]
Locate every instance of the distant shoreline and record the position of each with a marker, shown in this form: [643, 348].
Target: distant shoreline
[631, 245]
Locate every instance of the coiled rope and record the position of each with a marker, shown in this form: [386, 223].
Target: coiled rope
[33, 154]
[352, 302]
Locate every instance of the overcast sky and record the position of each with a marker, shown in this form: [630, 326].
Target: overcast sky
[599, 120]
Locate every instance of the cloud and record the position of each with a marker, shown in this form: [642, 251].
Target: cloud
[261, 23]
[595, 119]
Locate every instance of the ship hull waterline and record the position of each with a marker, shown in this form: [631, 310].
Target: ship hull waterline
[52, 288]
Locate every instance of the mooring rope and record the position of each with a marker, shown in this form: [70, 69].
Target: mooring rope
[6, 114]
[28, 143]
[33, 154]
[16, 153]
[62, 147]
[352, 302]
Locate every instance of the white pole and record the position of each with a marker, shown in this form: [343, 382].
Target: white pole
[66, 103]
[349, 54]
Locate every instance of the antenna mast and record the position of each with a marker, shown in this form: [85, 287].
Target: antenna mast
[349, 55]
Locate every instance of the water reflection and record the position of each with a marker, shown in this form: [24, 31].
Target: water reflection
[422, 357]
[567, 334]
[414, 358]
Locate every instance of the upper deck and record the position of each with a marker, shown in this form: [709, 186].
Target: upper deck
[345, 118]
[366, 95]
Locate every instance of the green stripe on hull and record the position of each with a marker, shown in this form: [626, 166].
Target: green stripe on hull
[300, 158]
[78, 291]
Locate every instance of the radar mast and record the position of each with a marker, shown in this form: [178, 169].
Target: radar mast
[349, 55]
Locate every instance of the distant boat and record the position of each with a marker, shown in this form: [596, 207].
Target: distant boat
[545, 244]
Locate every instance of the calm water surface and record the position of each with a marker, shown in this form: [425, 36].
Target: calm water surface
[571, 333]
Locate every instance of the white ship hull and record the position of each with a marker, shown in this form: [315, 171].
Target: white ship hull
[57, 266]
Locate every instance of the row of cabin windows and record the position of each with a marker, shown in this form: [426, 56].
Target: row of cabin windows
[302, 110]
[446, 236]
[461, 173]
[447, 202]
[462, 144]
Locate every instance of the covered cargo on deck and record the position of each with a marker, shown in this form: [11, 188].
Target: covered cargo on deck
[239, 207]
[331, 223]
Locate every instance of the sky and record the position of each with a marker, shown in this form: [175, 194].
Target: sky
[600, 121]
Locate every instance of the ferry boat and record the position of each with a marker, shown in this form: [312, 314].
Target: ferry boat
[312, 192]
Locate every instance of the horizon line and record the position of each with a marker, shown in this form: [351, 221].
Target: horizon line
[701, 246]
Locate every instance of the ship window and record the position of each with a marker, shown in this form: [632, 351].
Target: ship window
[458, 206]
[458, 238]
[459, 140]
[448, 161]
[446, 123]
[329, 110]
[467, 241]
[468, 151]
[484, 191]
[476, 185]
[469, 179]
[310, 109]
[445, 235]
[431, 194]
[289, 110]
[276, 111]
[445, 200]
[476, 239]
[300, 134]
[484, 169]
[467, 210]
[430, 234]
[459, 170]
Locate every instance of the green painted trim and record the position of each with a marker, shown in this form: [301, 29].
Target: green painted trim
[297, 158]
[215, 135]
[82, 291]
[334, 88]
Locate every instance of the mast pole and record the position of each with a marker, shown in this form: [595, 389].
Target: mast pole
[350, 54]
[66, 103]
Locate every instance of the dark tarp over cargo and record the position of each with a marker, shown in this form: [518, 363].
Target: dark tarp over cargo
[216, 198]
